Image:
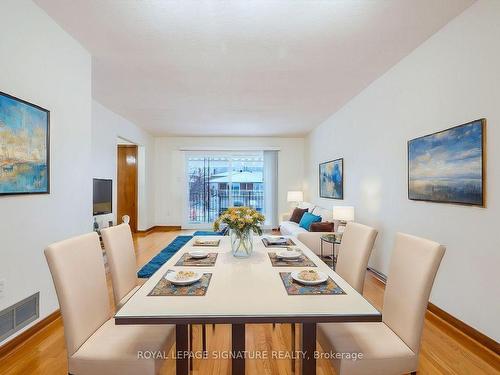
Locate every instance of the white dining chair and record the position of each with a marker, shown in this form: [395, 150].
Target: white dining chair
[354, 253]
[390, 347]
[119, 247]
[95, 345]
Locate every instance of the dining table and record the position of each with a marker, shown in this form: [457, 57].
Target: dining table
[246, 291]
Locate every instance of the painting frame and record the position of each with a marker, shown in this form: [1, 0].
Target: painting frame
[341, 195]
[482, 203]
[47, 146]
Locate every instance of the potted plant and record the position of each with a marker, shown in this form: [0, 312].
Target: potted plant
[242, 222]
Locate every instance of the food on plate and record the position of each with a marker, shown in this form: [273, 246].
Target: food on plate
[309, 275]
[184, 275]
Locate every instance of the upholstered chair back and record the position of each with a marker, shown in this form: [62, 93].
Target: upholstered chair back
[413, 267]
[120, 251]
[77, 268]
[354, 253]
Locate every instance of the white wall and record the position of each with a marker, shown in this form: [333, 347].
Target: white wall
[42, 64]
[107, 126]
[451, 79]
[170, 188]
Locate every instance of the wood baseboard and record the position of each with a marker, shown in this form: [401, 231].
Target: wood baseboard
[20, 339]
[464, 328]
[158, 228]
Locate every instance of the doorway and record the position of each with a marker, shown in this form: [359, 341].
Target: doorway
[127, 184]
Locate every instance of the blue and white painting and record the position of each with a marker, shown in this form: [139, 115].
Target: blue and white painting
[447, 166]
[331, 179]
[24, 134]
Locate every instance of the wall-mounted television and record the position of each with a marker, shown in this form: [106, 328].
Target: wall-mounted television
[103, 196]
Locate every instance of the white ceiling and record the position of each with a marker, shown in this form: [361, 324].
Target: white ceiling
[273, 68]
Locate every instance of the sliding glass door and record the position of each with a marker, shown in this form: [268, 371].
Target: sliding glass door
[217, 181]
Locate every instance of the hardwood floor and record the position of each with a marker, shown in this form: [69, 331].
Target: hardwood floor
[445, 350]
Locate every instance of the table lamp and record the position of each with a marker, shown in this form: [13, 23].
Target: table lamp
[343, 214]
[295, 197]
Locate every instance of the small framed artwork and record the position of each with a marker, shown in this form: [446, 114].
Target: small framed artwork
[448, 166]
[331, 179]
[24, 147]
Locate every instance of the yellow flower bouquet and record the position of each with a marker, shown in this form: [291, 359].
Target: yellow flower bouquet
[242, 222]
[241, 219]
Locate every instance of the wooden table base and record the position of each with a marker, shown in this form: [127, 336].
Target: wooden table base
[308, 343]
[305, 335]
[182, 349]
[238, 349]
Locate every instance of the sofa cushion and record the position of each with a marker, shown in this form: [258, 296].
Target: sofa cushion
[307, 205]
[307, 219]
[297, 214]
[324, 226]
[326, 215]
[289, 228]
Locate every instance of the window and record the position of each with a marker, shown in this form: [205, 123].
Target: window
[217, 181]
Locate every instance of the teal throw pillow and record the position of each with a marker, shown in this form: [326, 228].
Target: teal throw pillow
[307, 219]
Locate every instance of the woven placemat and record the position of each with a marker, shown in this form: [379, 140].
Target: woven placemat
[208, 261]
[166, 288]
[294, 288]
[289, 242]
[207, 243]
[302, 261]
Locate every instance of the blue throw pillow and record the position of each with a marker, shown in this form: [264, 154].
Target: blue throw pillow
[307, 219]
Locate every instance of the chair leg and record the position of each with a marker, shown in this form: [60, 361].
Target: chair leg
[292, 334]
[204, 338]
[191, 349]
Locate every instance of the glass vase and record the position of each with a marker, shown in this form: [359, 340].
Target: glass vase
[241, 243]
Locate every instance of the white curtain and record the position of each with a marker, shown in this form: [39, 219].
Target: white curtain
[271, 188]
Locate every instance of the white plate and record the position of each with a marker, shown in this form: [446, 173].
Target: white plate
[171, 276]
[198, 254]
[322, 278]
[289, 254]
[276, 239]
[203, 241]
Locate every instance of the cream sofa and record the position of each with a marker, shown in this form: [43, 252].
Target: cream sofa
[310, 239]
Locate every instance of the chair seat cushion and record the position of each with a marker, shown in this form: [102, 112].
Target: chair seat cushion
[115, 350]
[383, 352]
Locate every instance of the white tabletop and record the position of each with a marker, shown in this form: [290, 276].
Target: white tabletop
[245, 290]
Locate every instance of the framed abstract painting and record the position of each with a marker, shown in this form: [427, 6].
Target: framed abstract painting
[448, 166]
[331, 179]
[24, 147]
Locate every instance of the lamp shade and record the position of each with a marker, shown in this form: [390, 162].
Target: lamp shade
[295, 196]
[343, 213]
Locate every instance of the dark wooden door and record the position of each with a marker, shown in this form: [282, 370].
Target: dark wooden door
[127, 184]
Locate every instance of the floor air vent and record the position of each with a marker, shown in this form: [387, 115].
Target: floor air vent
[18, 316]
